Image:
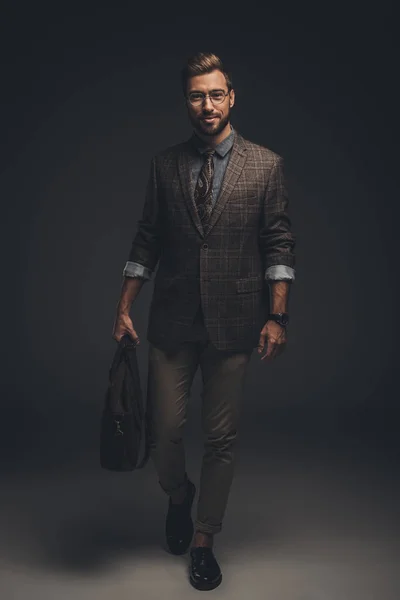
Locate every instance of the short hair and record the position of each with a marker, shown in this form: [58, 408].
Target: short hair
[201, 63]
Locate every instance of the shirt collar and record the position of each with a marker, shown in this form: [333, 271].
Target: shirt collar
[221, 149]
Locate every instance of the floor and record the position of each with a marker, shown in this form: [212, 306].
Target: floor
[306, 520]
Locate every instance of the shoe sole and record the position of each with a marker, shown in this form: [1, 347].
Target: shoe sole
[205, 586]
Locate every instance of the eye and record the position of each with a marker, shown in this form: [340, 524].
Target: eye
[217, 95]
[195, 96]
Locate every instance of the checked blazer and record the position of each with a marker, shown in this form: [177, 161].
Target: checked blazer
[220, 266]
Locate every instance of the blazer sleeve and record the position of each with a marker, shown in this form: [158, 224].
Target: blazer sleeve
[146, 245]
[277, 241]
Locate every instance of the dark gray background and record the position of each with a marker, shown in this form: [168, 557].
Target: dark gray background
[89, 100]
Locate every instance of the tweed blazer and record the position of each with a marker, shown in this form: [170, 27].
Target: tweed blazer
[221, 265]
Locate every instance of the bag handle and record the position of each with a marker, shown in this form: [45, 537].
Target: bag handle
[125, 342]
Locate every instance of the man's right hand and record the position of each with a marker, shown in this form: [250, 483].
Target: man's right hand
[123, 325]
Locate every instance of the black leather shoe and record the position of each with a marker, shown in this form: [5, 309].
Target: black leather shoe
[179, 524]
[204, 570]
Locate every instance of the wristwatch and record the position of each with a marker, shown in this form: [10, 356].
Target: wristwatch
[281, 318]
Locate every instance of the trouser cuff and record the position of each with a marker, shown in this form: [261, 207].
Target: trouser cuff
[207, 528]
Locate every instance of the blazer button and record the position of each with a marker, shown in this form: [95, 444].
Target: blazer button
[205, 246]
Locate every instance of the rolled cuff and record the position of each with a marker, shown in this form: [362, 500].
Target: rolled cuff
[133, 269]
[279, 273]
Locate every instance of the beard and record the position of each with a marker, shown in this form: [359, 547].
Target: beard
[208, 129]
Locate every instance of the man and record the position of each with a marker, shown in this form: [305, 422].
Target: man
[215, 221]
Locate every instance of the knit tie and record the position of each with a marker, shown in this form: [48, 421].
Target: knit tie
[203, 191]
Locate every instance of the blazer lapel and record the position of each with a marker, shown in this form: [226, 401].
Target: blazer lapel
[234, 168]
[185, 165]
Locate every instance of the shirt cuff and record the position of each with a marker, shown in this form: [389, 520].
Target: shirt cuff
[280, 273]
[133, 269]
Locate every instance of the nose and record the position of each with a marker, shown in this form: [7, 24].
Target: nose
[207, 103]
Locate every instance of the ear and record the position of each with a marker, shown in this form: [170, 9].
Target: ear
[231, 98]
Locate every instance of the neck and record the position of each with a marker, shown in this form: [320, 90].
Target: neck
[214, 140]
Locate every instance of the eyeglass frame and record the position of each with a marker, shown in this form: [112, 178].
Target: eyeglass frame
[208, 96]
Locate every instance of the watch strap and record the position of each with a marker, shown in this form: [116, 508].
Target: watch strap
[280, 318]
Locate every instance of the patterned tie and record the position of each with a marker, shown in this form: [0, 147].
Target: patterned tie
[203, 191]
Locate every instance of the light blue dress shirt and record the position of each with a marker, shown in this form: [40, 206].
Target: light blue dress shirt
[220, 159]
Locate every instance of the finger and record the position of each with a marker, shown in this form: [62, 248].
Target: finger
[276, 351]
[270, 354]
[266, 348]
[135, 338]
[263, 341]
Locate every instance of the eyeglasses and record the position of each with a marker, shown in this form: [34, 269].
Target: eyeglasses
[216, 97]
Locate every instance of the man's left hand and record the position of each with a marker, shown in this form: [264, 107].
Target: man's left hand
[272, 336]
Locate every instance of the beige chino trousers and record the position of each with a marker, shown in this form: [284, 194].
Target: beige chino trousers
[170, 377]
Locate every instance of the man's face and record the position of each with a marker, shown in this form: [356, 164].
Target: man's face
[209, 118]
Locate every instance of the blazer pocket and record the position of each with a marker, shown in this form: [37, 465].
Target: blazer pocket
[249, 284]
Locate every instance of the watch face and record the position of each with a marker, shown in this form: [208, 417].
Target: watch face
[285, 319]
